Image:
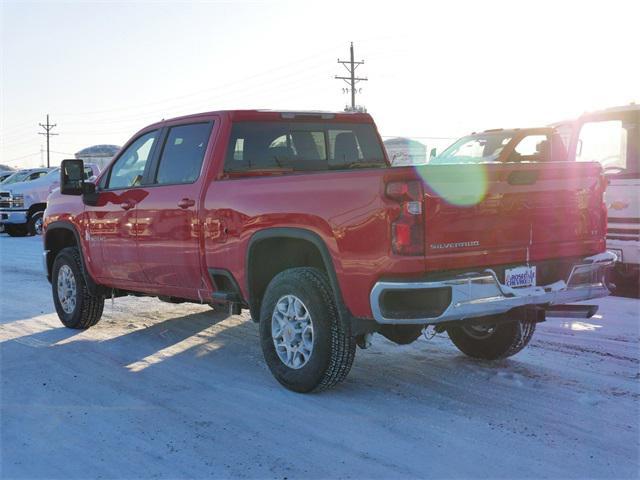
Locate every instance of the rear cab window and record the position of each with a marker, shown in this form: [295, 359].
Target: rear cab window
[302, 147]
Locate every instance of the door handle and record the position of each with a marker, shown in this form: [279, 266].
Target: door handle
[186, 203]
[127, 205]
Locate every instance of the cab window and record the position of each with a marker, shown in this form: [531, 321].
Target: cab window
[128, 170]
[603, 142]
[479, 148]
[183, 153]
[302, 146]
[36, 175]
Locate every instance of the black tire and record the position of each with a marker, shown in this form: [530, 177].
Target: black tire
[624, 281]
[88, 308]
[15, 230]
[333, 345]
[34, 225]
[505, 339]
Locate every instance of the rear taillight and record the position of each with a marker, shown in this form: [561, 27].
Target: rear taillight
[407, 230]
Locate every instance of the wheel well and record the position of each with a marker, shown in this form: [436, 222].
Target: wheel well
[36, 207]
[273, 255]
[55, 240]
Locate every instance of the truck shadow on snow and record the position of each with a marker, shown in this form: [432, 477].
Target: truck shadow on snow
[220, 350]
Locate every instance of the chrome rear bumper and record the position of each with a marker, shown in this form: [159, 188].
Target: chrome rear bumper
[481, 294]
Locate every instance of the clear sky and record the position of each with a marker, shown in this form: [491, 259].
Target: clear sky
[102, 70]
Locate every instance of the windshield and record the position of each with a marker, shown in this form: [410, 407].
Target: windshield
[485, 147]
[16, 177]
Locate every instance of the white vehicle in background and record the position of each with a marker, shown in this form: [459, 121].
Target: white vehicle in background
[5, 174]
[23, 198]
[612, 138]
[25, 175]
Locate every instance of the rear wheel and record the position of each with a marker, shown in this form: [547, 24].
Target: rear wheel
[75, 305]
[305, 344]
[490, 342]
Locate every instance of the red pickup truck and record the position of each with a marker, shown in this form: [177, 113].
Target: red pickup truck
[298, 217]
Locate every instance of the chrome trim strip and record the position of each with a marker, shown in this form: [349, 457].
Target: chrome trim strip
[480, 294]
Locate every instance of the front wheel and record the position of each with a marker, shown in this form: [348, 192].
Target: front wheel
[34, 226]
[491, 342]
[75, 305]
[305, 344]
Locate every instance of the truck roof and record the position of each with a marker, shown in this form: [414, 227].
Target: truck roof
[514, 131]
[273, 115]
[632, 107]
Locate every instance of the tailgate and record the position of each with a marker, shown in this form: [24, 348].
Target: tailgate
[493, 214]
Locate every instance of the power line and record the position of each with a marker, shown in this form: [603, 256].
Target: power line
[21, 158]
[63, 153]
[351, 80]
[47, 131]
[293, 64]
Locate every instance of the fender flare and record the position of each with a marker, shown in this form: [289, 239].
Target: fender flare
[298, 234]
[64, 225]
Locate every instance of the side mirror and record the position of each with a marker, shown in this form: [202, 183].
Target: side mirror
[432, 153]
[72, 177]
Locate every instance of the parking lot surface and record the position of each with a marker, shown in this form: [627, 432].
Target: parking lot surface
[157, 390]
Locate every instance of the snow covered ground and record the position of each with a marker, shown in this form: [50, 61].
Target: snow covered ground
[158, 390]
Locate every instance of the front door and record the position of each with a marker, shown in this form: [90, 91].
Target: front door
[113, 220]
[168, 228]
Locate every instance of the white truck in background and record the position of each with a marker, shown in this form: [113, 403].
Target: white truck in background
[612, 138]
[23, 198]
[4, 174]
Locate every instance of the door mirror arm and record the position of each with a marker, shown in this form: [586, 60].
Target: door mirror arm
[90, 194]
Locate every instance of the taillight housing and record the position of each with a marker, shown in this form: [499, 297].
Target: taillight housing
[407, 230]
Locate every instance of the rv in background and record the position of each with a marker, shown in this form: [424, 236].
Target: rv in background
[612, 138]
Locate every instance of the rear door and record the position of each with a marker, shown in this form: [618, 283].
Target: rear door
[168, 230]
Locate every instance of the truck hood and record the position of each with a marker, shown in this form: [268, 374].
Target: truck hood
[34, 191]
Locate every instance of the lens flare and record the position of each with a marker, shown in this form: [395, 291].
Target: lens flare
[462, 185]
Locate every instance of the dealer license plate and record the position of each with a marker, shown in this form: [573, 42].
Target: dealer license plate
[520, 277]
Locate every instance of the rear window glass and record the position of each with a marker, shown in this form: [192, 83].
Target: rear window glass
[298, 146]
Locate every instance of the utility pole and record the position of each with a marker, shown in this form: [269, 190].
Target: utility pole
[47, 131]
[351, 80]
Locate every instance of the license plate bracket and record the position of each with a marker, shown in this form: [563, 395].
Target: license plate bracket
[520, 277]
